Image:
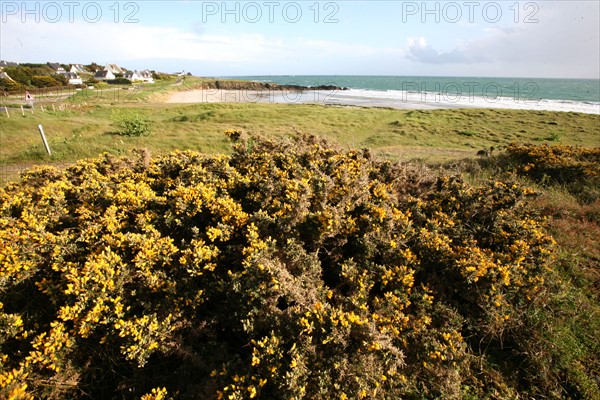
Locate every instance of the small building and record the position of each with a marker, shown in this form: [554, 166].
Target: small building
[56, 67]
[132, 76]
[77, 68]
[8, 64]
[146, 76]
[114, 68]
[104, 75]
[74, 79]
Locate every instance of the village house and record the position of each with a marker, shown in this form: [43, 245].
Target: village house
[8, 64]
[147, 76]
[114, 69]
[132, 76]
[56, 67]
[104, 75]
[74, 79]
[77, 68]
[137, 76]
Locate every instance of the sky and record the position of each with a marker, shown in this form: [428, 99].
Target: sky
[542, 39]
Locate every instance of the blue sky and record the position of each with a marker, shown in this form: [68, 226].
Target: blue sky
[216, 38]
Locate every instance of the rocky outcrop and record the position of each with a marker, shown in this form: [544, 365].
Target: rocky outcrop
[249, 85]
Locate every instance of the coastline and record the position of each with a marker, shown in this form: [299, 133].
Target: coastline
[323, 97]
[402, 100]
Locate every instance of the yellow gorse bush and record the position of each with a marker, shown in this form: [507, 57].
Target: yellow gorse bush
[285, 270]
[576, 168]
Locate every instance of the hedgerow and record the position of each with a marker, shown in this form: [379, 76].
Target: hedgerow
[287, 269]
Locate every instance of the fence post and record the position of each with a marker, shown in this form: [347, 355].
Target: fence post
[44, 140]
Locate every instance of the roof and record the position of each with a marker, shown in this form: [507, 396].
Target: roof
[78, 67]
[114, 68]
[55, 66]
[4, 75]
[101, 74]
[8, 64]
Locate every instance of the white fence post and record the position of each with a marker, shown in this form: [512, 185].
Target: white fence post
[44, 140]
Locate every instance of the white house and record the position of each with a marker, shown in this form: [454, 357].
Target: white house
[114, 68]
[77, 68]
[146, 76]
[104, 75]
[56, 67]
[132, 76]
[74, 79]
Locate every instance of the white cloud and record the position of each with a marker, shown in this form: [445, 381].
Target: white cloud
[565, 42]
[104, 42]
[418, 50]
[129, 45]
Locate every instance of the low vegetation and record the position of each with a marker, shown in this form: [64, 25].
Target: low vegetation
[131, 124]
[84, 128]
[293, 268]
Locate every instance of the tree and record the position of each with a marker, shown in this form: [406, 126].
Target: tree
[44, 81]
[93, 67]
[10, 86]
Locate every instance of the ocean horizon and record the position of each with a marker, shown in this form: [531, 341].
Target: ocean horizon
[552, 94]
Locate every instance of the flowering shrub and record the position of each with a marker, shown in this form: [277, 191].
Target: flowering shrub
[576, 168]
[285, 270]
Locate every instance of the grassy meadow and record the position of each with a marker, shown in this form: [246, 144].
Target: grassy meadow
[548, 348]
[86, 128]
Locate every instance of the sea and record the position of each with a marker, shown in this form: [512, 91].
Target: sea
[420, 92]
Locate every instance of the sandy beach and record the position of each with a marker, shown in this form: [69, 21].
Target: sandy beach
[402, 100]
[333, 97]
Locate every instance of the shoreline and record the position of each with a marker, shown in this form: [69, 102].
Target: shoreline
[371, 99]
[329, 98]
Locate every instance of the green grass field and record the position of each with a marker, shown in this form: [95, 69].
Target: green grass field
[84, 130]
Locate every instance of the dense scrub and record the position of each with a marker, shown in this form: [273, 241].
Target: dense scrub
[285, 270]
[577, 169]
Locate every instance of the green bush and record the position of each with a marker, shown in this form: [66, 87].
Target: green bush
[131, 124]
[11, 86]
[119, 81]
[45, 81]
[288, 269]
